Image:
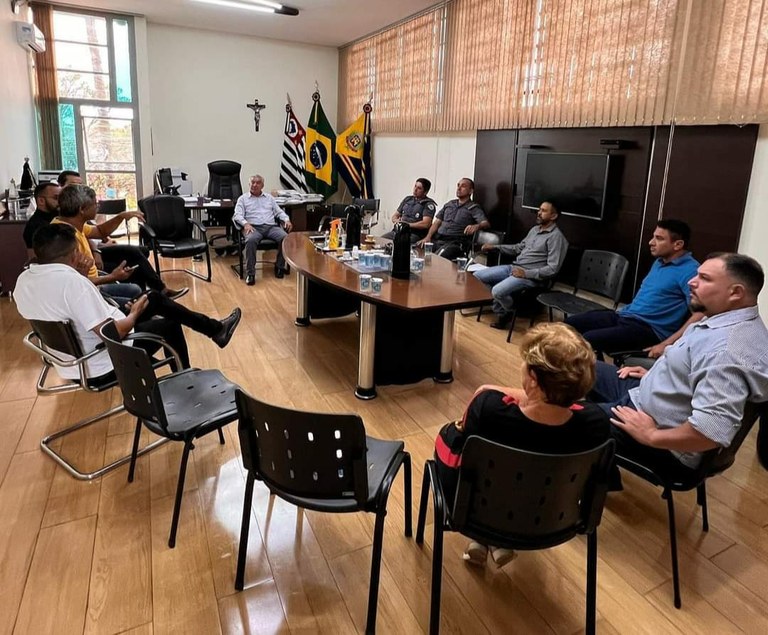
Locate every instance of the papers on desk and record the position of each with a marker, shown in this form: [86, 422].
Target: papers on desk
[292, 197]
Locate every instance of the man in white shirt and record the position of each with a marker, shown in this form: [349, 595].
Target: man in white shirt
[260, 217]
[57, 290]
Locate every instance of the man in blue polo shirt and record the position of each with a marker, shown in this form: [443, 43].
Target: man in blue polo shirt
[659, 313]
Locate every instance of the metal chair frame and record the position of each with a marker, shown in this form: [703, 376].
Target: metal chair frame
[49, 357]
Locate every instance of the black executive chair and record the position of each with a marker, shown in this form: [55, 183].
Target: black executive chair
[223, 183]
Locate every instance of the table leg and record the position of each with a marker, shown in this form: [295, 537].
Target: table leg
[366, 388]
[445, 376]
[197, 214]
[302, 300]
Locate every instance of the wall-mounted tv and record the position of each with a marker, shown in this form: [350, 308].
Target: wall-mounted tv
[575, 183]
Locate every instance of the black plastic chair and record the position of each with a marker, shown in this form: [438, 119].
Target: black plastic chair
[322, 462]
[182, 406]
[518, 500]
[51, 340]
[714, 462]
[601, 273]
[168, 232]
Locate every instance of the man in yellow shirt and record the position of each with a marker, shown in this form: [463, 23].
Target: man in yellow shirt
[77, 206]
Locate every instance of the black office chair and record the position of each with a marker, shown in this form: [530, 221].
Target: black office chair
[370, 212]
[265, 244]
[168, 232]
[520, 500]
[224, 180]
[322, 462]
[164, 182]
[332, 212]
[182, 406]
[223, 183]
[52, 339]
[714, 462]
[601, 273]
[113, 206]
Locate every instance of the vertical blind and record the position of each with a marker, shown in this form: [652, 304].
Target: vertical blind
[489, 64]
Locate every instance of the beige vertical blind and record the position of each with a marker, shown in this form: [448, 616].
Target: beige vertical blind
[486, 64]
[402, 68]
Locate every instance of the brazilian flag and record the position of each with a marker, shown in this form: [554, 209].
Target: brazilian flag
[320, 151]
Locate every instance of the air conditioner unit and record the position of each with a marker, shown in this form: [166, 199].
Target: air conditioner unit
[30, 37]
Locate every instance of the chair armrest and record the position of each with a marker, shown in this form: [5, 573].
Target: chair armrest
[203, 230]
[53, 357]
[146, 229]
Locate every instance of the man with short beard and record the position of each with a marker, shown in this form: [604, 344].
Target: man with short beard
[693, 398]
[538, 257]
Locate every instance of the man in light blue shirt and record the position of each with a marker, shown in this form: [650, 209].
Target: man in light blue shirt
[692, 399]
[657, 315]
[260, 217]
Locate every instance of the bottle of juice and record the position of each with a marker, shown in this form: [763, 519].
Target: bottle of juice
[334, 243]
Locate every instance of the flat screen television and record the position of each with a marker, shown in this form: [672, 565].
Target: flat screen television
[576, 183]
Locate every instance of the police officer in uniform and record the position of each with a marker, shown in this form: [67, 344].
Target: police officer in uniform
[417, 210]
[454, 225]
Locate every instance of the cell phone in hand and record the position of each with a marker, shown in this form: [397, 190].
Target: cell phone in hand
[132, 268]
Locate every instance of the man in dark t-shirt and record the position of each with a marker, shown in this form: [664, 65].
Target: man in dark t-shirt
[46, 197]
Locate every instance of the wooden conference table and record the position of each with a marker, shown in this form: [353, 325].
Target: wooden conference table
[406, 332]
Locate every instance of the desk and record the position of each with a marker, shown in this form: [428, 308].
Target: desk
[13, 252]
[406, 333]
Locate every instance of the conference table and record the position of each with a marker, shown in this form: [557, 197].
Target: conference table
[406, 331]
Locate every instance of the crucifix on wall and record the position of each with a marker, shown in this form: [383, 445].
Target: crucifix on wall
[257, 108]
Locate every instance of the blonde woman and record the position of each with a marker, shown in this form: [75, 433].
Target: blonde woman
[543, 416]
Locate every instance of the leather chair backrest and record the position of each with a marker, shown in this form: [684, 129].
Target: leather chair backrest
[224, 180]
[166, 215]
[57, 336]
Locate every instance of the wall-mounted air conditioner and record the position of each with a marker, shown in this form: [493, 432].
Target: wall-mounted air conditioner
[30, 37]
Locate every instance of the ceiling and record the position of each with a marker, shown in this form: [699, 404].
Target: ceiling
[324, 22]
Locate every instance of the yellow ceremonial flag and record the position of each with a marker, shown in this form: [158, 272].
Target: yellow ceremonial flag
[351, 142]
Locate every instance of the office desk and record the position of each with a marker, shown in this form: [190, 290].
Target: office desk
[406, 333]
[13, 252]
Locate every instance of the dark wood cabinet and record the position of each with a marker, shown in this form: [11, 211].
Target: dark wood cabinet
[13, 252]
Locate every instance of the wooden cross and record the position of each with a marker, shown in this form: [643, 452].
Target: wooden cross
[257, 108]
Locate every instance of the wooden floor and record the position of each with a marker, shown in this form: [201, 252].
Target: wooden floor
[92, 557]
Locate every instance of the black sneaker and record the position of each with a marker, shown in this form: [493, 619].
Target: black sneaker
[228, 326]
[279, 273]
[250, 279]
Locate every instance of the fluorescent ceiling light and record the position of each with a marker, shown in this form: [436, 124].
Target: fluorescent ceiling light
[262, 6]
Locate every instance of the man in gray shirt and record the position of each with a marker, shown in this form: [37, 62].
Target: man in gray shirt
[456, 223]
[537, 259]
[259, 217]
[692, 399]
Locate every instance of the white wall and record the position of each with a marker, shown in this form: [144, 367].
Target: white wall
[18, 137]
[398, 160]
[200, 83]
[754, 230]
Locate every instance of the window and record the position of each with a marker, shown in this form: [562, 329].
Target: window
[97, 111]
